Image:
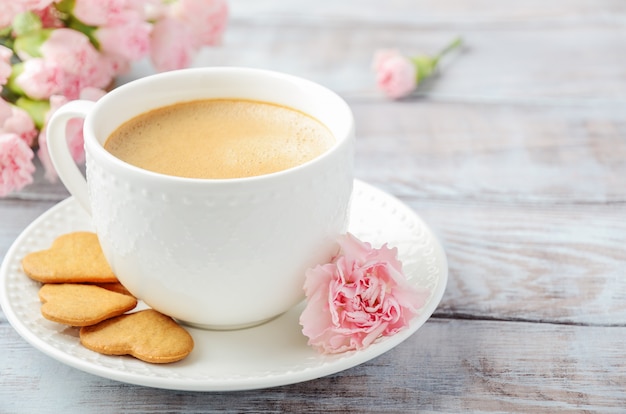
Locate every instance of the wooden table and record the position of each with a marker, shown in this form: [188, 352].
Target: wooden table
[515, 154]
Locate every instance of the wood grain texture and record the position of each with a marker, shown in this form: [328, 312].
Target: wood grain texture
[524, 155]
[448, 366]
[15, 216]
[514, 154]
[542, 264]
[509, 55]
[528, 201]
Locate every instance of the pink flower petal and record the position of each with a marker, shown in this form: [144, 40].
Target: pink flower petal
[97, 12]
[396, 75]
[16, 166]
[14, 120]
[41, 79]
[128, 36]
[357, 298]
[206, 19]
[172, 45]
[81, 62]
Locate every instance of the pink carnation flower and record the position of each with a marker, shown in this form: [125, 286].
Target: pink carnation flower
[206, 19]
[172, 45]
[396, 75]
[41, 78]
[16, 166]
[14, 120]
[358, 297]
[81, 62]
[97, 12]
[127, 36]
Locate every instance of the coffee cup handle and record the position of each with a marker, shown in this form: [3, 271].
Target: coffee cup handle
[66, 168]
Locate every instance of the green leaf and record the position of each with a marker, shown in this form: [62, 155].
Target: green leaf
[65, 6]
[36, 109]
[25, 23]
[16, 71]
[30, 43]
[425, 66]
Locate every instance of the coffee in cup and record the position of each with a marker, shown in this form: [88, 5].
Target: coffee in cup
[219, 138]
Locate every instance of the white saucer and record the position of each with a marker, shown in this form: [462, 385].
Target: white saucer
[272, 354]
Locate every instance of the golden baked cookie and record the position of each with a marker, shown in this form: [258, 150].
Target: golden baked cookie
[114, 287]
[147, 335]
[82, 305]
[73, 258]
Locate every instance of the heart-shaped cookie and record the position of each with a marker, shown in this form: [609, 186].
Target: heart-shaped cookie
[82, 305]
[147, 335]
[115, 287]
[73, 258]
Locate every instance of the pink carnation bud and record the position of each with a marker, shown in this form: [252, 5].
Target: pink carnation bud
[396, 75]
[16, 165]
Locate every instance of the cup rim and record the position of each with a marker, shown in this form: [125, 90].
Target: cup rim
[95, 148]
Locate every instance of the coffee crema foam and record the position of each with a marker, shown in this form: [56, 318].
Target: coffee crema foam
[220, 138]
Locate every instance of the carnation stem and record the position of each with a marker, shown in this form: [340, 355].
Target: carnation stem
[426, 65]
[457, 42]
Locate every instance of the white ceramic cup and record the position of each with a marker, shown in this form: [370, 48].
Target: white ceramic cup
[214, 253]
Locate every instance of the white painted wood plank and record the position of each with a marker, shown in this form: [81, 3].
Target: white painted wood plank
[521, 155]
[15, 215]
[432, 12]
[448, 365]
[561, 64]
[562, 264]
